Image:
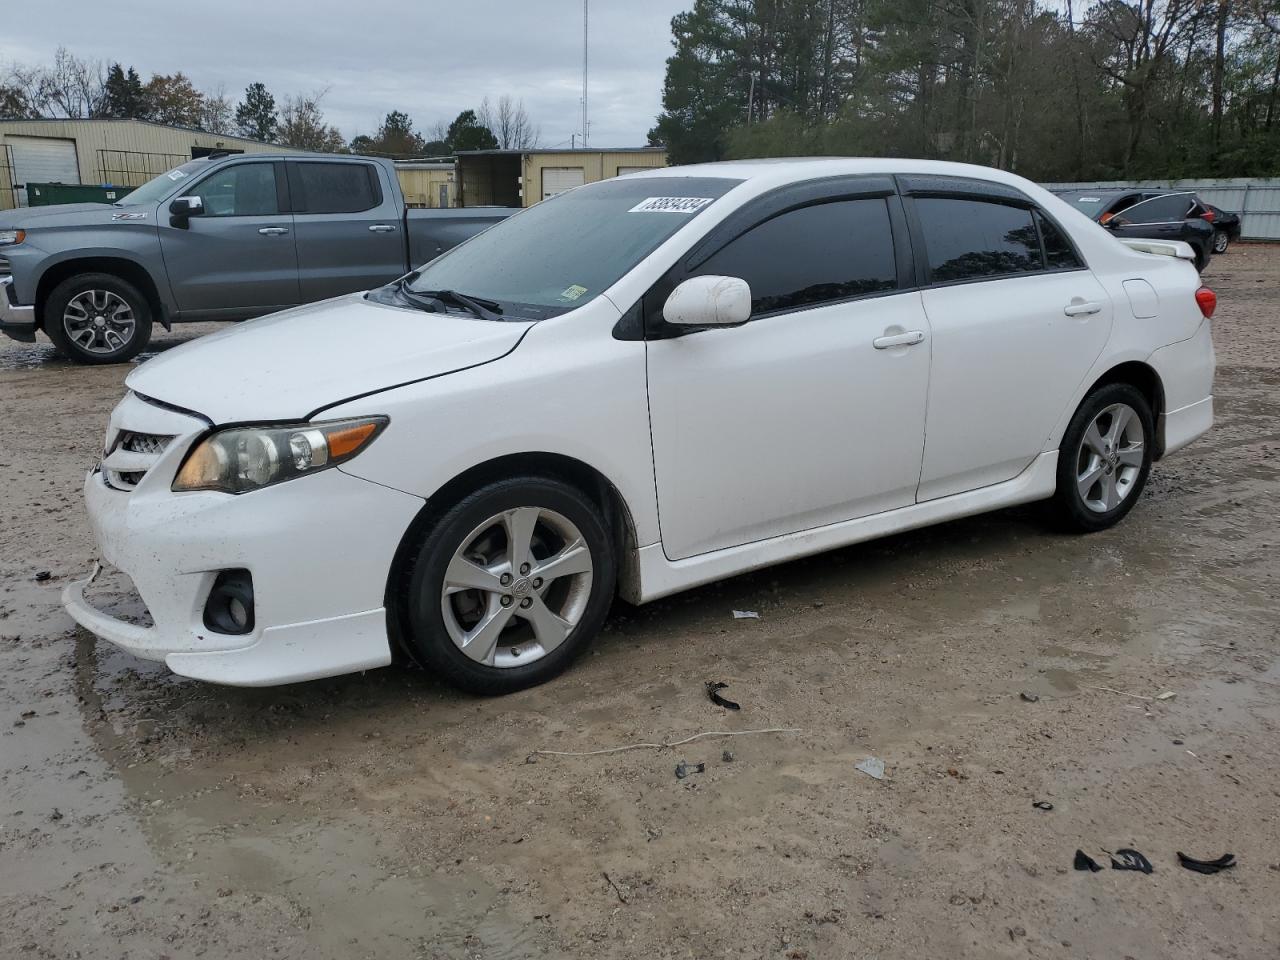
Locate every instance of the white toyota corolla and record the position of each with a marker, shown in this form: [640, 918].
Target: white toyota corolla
[636, 387]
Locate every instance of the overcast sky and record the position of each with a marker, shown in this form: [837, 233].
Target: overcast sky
[429, 58]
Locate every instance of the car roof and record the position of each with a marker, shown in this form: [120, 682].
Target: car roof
[795, 169]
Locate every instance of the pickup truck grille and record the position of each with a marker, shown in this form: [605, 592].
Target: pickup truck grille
[4, 267]
[134, 454]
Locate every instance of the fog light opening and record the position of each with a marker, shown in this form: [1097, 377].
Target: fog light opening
[229, 608]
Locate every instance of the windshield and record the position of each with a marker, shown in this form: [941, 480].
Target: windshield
[156, 189]
[1090, 204]
[564, 252]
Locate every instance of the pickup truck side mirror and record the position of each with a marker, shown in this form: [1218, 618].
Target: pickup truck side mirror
[709, 302]
[183, 208]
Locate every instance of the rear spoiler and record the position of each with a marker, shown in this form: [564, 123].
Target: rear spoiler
[1164, 248]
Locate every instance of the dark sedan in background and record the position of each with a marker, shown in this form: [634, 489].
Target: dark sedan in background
[1226, 227]
[1152, 215]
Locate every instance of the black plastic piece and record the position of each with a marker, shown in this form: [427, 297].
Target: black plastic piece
[231, 587]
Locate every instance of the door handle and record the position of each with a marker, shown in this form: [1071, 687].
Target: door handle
[1079, 308]
[273, 231]
[908, 339]
[381, 228]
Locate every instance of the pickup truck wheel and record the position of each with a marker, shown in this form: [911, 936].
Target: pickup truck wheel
[98, 318]
[1104, 458]
[509, 585]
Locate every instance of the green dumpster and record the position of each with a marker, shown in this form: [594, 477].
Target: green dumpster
[47, 194]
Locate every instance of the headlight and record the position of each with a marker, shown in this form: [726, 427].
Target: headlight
[241, 459]
[9, 237]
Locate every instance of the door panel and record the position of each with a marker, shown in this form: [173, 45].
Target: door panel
[787, 423]
[1007, 358]
[238, 259]
[349, 232]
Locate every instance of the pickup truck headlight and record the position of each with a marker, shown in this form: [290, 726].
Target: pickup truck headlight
[9, 237]
[241, 459]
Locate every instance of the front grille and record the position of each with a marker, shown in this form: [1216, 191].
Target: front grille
[4, 267]
[153, 443]
[134, 453]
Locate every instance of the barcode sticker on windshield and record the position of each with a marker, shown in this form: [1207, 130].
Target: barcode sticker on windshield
[671, 205]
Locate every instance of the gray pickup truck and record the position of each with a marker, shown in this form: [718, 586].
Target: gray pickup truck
[220, 238]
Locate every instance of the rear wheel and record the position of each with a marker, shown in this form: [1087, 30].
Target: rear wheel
[98, 318]
[1105, 458]
[509, 585]
[1220, 241]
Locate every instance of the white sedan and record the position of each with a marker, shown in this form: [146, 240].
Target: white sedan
[637, 387]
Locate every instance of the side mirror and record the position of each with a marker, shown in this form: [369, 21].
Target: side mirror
[709, 302]
[183, 208]
[1116, 222]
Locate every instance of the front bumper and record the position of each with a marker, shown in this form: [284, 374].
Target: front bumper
[319, 550]
[16, 322]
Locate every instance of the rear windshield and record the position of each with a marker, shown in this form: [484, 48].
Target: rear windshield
[565, 251]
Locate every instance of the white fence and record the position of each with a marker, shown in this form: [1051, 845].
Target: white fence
[1257, 199]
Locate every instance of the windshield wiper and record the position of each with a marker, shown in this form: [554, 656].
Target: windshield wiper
[484, 309]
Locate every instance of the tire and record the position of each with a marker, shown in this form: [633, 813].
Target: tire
[472, 538]
[1119, 471]
[1202, 259]
[117, 333]
[1220, 241]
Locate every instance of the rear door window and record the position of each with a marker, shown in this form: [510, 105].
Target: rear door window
[812, 255]
[974, 239]
[1167, 209]
[335, 187]
[1058, 252]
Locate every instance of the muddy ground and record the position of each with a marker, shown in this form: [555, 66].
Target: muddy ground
[383, 815]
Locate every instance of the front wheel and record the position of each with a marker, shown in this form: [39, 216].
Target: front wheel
[509, 585]
[1104, 458]
[1220, 241]
[97, 318]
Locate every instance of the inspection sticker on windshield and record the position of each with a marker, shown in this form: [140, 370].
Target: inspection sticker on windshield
[1087, 199]
[573, 292]
[176, 175]
[671, 205]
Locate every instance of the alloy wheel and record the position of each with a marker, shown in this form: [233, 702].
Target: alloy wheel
[1110, 457]
[99, 321]
[1220, 241]
[516, 587]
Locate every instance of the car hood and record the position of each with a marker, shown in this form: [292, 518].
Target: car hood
[68, 215]
[289, 365]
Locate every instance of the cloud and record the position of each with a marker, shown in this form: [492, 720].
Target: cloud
[430, 59]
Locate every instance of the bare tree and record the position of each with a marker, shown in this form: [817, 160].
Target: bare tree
[218, 115]
[22, 94]
[510, 123]
[73, 87]
[302, 124]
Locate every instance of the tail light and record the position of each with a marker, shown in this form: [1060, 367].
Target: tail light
[1207, 216]
[1207, 301]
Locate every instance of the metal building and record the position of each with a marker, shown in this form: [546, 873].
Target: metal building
[103, 152]
[520, 178]
[427, 183]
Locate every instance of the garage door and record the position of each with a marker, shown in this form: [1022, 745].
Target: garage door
[42, 160]
[622, 170]
[559, 179]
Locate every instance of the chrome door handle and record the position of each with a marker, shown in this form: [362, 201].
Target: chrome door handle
[273, 231]
[1082, 309]
[908, 339]
[381, 228]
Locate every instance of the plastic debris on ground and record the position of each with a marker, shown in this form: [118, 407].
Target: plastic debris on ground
[1167, 695]
[745, 615]
[1130, 860]
[1208, 867]
[1029, 697]
[1043, 805]
[713, 691]
[684, 769]
[872, 767]
[1085, 862]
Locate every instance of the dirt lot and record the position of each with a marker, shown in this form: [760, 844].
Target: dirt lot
[383, 815]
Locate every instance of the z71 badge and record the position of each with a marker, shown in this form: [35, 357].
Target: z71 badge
[128, 216]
